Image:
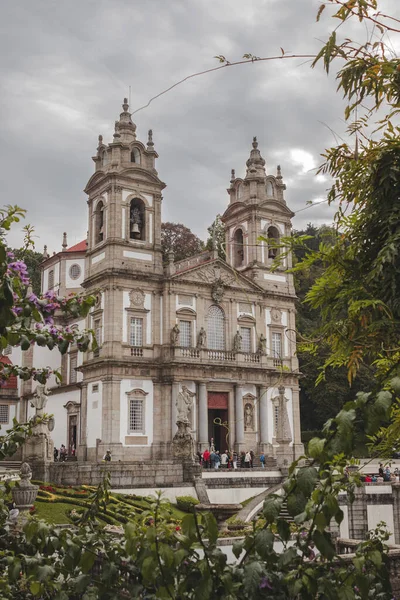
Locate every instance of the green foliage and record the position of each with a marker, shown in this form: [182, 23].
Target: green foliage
[186, 503]
[178, 238]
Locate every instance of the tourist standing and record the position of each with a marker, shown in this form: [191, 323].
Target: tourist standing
[251, 459]
[262, 460]
[247, 460]
[224, 459]
[206, 458]
[234, 460]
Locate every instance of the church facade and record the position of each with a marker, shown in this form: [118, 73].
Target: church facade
[219, 332]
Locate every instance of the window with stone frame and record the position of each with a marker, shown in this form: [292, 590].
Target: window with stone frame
[73, 363]
[99, 223]
[97, 330]
[136, 411]
[276, 340]
[245, 332]
[215, 328]
[51, 279]
[273, 242]
[136, 332]
[4, 413]
[185, 334]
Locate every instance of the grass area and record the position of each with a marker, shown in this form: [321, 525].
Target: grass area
[55, 504]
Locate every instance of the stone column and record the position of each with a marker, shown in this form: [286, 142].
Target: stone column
[396, 511]
[203, 416]
[82, 448]
[174, 413]
[358, 516]
[298, 447]
[239, 416]
[111, 427]
[265, 444]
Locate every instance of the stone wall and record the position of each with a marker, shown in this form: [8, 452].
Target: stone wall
[123, 475]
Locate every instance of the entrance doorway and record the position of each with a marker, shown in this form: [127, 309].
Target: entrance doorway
[72, 434]
[218, 413]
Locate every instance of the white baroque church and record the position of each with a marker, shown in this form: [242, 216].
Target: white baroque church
[222, 331]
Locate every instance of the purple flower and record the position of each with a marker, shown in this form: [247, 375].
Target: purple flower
[265, 583]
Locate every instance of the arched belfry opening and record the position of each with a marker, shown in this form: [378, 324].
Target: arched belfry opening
[99, 223]
[135, 156]
[137, 215]
[273, 241]
[238, 248]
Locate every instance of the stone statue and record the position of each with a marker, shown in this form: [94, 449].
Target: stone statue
[248, 417]
[262, 345]
[175, 335]
[182, 443]
[202, 338]
[184, 402]
[282, 431]
[237, 342]
[217, 291]
[40, 397]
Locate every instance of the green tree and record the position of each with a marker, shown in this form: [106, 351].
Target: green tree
[32, 260]
[216, 237]
[178, 238]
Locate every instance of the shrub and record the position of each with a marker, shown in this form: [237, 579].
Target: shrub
[186, 503]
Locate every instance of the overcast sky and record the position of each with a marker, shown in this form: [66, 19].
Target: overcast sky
[66, 66]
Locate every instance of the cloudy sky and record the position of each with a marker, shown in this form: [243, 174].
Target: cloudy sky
[66, 66]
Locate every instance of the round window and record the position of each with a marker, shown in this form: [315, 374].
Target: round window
[75, 271]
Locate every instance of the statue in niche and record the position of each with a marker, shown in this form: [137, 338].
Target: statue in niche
[175, 335]
[237, 342]
[202, 338]
[40, 397]
[262, 345]
[282, 433]
[248, 417]
[184, 403]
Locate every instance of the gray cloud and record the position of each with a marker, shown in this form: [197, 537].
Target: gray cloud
[66, 67]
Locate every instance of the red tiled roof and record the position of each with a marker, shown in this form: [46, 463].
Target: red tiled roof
[11, 384]
[81, 247]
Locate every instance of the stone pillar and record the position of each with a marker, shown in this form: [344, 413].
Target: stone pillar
[174, 413]
[82, 448]
[239, 417]
[298, 447]
[396, 511]
[111, 427]
[265, 444]
[358, 516]
[203, 417]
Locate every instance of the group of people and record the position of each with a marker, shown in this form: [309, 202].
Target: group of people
[384, 475]
[60, 455]
[213, 459]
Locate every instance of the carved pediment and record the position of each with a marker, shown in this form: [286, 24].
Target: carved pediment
[220, 272]
[277, 207]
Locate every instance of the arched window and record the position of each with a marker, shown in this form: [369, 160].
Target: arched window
[215, 328]
[273, 240]
[269, 188]
[137, 225]
[99, 223]
[135, 156]
[238, 248]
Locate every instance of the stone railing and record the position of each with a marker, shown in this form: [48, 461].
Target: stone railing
[221, 355]
[188, 263]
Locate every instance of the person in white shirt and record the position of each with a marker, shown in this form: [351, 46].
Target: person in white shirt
[247, 460]
[224, 460]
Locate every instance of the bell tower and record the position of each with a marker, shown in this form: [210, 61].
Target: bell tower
[258, 208]
[124, 199]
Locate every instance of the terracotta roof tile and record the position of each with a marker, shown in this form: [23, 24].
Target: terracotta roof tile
[80, 247]
[11, 383]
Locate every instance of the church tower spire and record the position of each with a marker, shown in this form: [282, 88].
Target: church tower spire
[258, 209]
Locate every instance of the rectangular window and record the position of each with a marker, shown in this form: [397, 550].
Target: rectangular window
[4, 414]
[97, 331]
[136, 332]
[73, 363]
[185, 334]
[51, 279]
[245, 332]
[95, 388]
[136, 416]
[277, 345]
